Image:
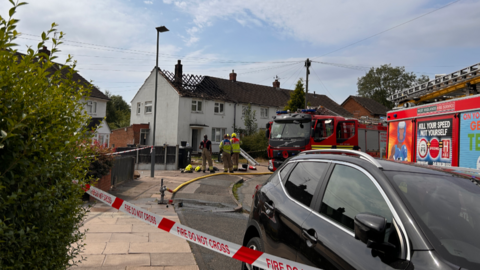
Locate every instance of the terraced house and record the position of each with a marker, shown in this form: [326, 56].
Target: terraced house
[189, 106]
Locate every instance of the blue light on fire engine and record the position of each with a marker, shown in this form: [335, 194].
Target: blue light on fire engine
[282, 112]
[308, 110]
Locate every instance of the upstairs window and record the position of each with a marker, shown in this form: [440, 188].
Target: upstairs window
[138, 107]
[218, 108]
[263, 112]
[148, 107]
[196, 106]
[92, 107]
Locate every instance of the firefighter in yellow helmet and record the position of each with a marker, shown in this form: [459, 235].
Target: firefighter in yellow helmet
[236, 150]
[226, 147]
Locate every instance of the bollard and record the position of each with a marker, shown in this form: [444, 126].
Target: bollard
[162, 192]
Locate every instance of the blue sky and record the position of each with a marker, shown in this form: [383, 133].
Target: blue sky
[114, 40]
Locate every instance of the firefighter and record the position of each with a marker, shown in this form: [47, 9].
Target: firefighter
[226, 147]
[206, 147]
[236, 150]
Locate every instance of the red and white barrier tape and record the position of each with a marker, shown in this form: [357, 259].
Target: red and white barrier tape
[116, 153]
[229, 249]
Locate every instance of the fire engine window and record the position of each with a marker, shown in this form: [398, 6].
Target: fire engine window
[345, 131]
[323, 130]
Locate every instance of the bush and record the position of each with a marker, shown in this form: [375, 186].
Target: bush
[256, 145]
[40, 124]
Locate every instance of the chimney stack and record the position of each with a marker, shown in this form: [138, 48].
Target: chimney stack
[178, 73]
[233, 76]
[45, 51]
[276, 83]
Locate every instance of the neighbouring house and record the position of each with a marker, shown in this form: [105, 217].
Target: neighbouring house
[135, 134]
[363, 106]
[189, 106]
[95, 105]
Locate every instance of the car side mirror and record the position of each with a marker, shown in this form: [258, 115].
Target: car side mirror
[370, 229]
[267, 133]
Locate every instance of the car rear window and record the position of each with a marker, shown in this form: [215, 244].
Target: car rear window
[448, 209]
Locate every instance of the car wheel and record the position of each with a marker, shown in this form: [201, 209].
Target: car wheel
[256, 244]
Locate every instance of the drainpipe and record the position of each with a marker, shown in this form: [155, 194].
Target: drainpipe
[234, 115]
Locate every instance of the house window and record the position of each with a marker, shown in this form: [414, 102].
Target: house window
[217, 134]
[219, 107]
[148, 107]
[92, 107]
[196, 106]
[138, 107]
[244, 110]
[263, 112]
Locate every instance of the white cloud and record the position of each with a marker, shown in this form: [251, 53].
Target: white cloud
[148, 2]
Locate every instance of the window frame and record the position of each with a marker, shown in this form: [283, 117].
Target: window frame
[220, 106]
[150, 105]
[262, 114]
[196, 102]
[139, 107]
[214, 129]
[317, 189]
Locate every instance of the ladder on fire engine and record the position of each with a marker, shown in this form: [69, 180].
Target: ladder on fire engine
[249, 158]
[454, 85]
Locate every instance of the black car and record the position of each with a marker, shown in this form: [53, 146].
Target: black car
[351, 211]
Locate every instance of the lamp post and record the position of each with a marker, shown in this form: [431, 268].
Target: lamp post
[160, 29]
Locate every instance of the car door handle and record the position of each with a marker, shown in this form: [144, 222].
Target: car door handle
[309, 237]
[268, 208]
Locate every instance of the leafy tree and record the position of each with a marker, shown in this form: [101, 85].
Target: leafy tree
[40, 130]
[118, 111]
[250, 121]
[381, 82]
[297, 97]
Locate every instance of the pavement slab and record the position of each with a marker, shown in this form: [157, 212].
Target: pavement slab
[175, 246]
[94, 248]
[92, 261]
[127, 259]
[97, 237]
[167, 259]
[161, 237]
[129, 237]
[117, 248]
[95, 228]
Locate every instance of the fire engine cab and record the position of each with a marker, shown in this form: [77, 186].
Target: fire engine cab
[438, 122]
[291, 133]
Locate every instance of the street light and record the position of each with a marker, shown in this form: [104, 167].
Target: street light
[160, 29]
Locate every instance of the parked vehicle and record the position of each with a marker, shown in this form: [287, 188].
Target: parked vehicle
[291, 133]
[351, 211]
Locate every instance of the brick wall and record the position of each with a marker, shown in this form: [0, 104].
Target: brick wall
[129, 135]
[356, 109]
[104, 184]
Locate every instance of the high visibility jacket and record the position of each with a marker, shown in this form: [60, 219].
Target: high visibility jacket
[236, 145]
[226, 146]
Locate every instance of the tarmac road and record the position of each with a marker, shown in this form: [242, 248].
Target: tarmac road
[205, 206]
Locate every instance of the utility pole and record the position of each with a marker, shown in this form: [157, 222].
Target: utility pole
[307, 65]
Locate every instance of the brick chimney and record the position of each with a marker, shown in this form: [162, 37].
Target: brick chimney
[45, 51]
[233, 76]
[276, 84]
[178, 73]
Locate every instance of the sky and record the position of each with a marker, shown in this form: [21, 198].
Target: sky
[114, 41]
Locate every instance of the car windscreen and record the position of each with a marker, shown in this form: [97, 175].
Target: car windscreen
[290, 130]
[448, 210]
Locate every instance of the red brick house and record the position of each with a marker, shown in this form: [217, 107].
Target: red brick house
[132, 135]
[363, 106]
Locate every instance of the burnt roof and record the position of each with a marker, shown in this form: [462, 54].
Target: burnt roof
[371, 105]
[208, 87]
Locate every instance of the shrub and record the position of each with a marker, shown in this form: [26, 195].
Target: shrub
[40, 125]
[256, 145]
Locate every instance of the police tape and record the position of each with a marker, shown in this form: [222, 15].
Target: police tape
[121, 152]
[229, 249]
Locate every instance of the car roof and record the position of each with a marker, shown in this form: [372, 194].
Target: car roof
[401, 166]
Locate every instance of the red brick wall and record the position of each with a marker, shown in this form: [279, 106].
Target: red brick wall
[129, 135]
[356, 109]
[104, 184]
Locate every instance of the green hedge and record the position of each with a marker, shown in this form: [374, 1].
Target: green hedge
[255, 145]
[41, 125]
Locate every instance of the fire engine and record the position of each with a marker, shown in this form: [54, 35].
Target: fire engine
[438, 122]
[291, 133]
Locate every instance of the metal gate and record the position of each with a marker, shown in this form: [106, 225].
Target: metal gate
[122, 169]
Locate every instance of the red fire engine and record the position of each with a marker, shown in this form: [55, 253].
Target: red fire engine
[292, 133]
[438, 122]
